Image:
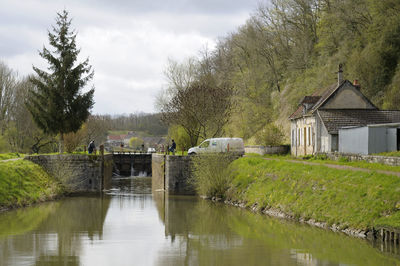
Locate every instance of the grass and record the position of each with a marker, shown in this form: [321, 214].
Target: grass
[322, 160]
[392, 153]
[347, 198]
[23, 183]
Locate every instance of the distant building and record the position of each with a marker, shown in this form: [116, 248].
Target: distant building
[316, 123]
[117, 140]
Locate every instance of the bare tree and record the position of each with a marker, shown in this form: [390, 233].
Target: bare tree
[202, 110]
[7, 89]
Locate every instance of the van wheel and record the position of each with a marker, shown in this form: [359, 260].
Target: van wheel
[192, 153]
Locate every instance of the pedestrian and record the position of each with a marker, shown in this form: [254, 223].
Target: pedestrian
[91, 147]
[173, 147]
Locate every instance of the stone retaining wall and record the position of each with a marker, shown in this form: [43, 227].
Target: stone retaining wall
[78, 173]
[394, 161]
[171, 173]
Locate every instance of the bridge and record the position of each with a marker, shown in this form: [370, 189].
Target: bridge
[132, 164]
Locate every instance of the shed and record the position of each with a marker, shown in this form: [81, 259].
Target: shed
[373, 138]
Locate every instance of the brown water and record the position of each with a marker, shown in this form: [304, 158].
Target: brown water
[130, 226]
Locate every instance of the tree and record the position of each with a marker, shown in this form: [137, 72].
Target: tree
[22, 133]
[57, 103]
[136, 142]
[202, 110]
[7, 90]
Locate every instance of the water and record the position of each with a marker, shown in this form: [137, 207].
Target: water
[130, 226]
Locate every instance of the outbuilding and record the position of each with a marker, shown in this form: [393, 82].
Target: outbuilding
[370, 139]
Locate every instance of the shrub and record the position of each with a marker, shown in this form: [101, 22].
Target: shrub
[270, 135]
[211, 177]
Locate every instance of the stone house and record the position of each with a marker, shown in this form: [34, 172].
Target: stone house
[315, 124]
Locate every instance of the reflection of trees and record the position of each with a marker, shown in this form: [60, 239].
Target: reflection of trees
[200, 234]
[207, 233]
[58, 238]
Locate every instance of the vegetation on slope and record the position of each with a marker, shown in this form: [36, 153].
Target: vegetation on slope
[292, 48]
[343, 197]
[23, 183]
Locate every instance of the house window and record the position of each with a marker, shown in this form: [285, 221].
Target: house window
[300, 137]
[309, 136]
[307, 142]
[312, 136]
[293, 137]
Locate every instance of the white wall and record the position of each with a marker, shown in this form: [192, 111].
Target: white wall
[353, 140]
[377, 139]
[367, 140]
[392, 139]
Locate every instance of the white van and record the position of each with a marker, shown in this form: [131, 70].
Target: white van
[232, 145]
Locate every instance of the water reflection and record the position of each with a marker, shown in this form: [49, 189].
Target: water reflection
[51, 233]
[131, 226]
[215, 234]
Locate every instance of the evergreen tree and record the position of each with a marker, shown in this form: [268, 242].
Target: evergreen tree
[57, 103]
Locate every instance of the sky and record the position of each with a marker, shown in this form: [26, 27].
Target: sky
[128, 43]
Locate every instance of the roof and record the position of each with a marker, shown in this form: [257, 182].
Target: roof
[319, 101]
[114, 137]
[334, 119]
[306, 100]
[310, 99]
[331, 91]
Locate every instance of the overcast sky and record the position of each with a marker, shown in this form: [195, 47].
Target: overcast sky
[128, 42]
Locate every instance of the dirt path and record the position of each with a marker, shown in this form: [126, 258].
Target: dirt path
[9, 160]
[344, 167]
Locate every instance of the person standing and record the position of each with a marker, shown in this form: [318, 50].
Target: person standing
[173, 147]
[91, 147]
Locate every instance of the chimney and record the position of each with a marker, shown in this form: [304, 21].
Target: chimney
[356, 84]
[340, 74]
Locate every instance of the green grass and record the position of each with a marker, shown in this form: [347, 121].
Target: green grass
[7, 156]
[321, 160]
[343, 197]
[392, 153]
[23, 183]
[362, 164]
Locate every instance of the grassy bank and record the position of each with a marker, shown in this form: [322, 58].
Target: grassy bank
[343, 197]
[342, 161]
[23, 183]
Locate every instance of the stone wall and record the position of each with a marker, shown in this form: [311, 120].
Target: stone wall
[78, 173]
[158, 171]
[394, 161]
[177, 174]
[171, 173]
[280, 149]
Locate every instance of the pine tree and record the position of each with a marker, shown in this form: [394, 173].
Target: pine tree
[57, 103]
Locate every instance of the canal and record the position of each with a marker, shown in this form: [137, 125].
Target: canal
[131, 226]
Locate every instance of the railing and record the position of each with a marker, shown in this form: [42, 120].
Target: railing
[129, 152]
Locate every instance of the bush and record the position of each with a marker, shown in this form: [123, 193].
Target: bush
[270, 135]
[211, 177]
[180, 136]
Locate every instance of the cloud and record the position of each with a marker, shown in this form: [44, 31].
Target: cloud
[127, 42]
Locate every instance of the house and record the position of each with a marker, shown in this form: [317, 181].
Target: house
[117, 140]
[315, 124]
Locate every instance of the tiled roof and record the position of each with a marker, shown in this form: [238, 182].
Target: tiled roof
[306, 100]
[338, 118]
[114, 137]
[310, 99]
[298, 113]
